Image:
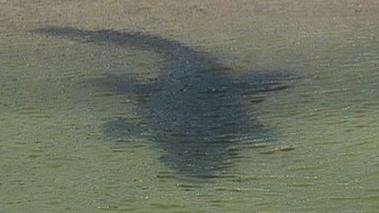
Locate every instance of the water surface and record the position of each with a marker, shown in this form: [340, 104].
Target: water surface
[79, 106]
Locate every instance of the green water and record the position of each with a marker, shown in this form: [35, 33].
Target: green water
[323, 154]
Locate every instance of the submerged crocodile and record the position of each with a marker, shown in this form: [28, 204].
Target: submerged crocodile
[196, 110]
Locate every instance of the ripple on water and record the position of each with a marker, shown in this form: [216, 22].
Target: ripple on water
[32, 112]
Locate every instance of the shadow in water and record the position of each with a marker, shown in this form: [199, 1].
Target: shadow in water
[196, 110]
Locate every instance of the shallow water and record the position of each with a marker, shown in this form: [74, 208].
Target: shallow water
[233, 107]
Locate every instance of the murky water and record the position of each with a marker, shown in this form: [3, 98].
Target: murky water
[199, 106]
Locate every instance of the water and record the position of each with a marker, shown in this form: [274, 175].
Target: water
[233, 107]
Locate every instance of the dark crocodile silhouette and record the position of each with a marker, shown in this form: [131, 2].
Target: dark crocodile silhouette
[196, 110]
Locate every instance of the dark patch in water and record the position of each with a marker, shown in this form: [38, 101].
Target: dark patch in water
[196, 110]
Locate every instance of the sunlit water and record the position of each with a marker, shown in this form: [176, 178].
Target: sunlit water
[153, 106]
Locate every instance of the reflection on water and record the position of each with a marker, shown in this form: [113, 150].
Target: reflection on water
[195, 110]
